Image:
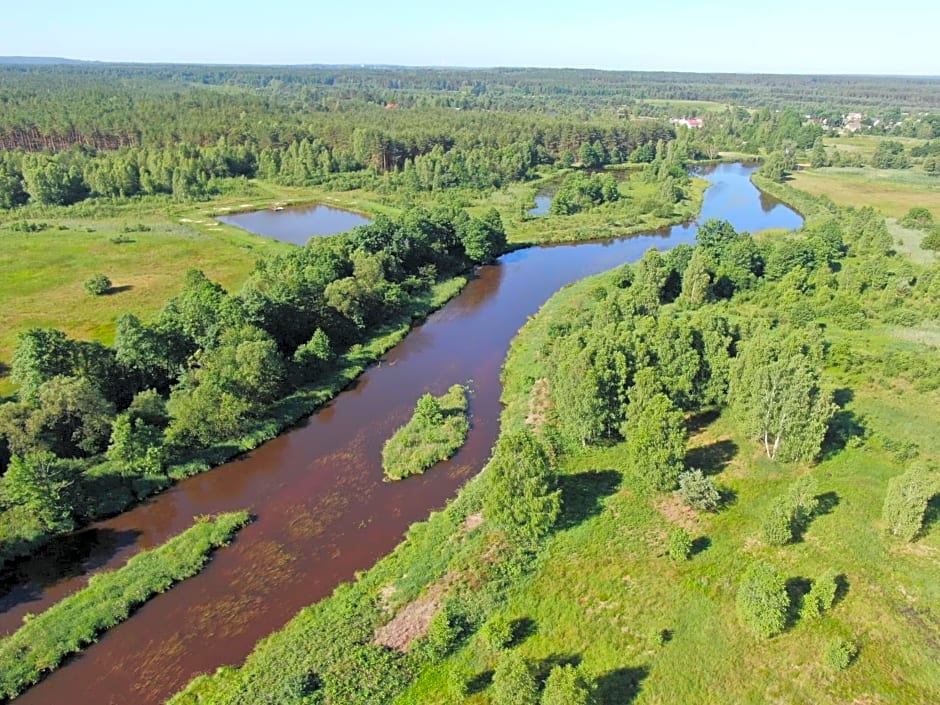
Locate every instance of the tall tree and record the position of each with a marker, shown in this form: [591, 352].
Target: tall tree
[521, 498]
[776, 394]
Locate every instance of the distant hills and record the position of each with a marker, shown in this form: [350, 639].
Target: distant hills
[41, 60]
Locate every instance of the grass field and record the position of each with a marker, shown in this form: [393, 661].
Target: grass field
[892, 191]
[650, 630]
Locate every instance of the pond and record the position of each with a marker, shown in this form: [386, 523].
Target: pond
[297, 225]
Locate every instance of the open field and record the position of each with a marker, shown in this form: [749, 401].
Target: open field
[892, 191]
[650, 630]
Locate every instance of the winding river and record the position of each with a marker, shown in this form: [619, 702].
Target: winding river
[322, 509]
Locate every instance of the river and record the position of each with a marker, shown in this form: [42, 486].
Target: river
[322, 509]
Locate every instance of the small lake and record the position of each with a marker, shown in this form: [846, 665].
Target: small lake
[542, 204]
[297, 225]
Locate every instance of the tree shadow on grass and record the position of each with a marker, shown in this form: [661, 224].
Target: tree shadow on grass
[713, 458]
[581, 495]
[480, 682]
[118, 289]
[931, 516]
[843, 426]
[621, 686]
[700, 545]
[521, 629]
[797, 589]
[545, 666]
[826, 503]
[699, 422]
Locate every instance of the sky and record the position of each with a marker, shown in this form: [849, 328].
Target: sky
[787, 36]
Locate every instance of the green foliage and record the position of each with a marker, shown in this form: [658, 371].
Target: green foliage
[699, 491]
[762, 600]
[580, 192]
[497, 632]
[435, 432]
[679, 544]
[656, 440]
[906, 501]
[97, 285]
[45, 640]
[918, 217]
[839, 654]
[775, 392]
[821, 596]
[931, 241]
[520, 498]
[777, 166]
[445, 631]
[566, 685]
[890, 154]
[790, 513]
[40, 355]
[514, 681]
[43, 485]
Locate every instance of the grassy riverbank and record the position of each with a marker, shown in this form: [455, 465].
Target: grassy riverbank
[21, 534]
[44, 640]
[434, 433]
[601, 591]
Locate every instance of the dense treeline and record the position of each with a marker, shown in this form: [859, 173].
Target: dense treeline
[425, 152]
[93, 423]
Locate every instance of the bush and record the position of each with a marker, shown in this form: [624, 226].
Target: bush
[679, 546]
[821, 595]
[698, 491]
[840, 653]
[97, 285]
[444, 633]
[566, 685]
[918, 218]
[906, 501]
[762, 601]
[497, 633]
[514, 682]
[790, 513]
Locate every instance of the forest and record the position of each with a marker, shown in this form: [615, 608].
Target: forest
[733, 436]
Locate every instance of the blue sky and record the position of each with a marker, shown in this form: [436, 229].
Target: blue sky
[787, 36]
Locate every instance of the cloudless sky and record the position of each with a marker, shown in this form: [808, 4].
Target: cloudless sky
[782, 36]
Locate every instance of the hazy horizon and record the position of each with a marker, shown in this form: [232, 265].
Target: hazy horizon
[734, 36]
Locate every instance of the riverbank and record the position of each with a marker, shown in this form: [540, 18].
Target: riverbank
[45, 640]
[21, 537]
[324, 513]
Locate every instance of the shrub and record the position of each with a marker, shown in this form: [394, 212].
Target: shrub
[762, 600]
[917, 217]
[906, 501]
[497, 633]
[790, 513]
[821, 595]
[444, 633]
[840, 653]
[679, 545]
[698, 491]
[566, 685]
[97, 285]
[514, 682]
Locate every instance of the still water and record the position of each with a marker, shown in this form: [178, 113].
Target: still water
[297, 225]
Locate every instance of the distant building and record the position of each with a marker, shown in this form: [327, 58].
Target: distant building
[693, 123]
[853, 122]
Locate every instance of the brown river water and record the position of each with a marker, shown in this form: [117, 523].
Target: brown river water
[322, 510]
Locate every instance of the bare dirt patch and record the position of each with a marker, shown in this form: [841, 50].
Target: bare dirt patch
[677, 513]
[540, 404]
[473, 521]
[412, 621]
